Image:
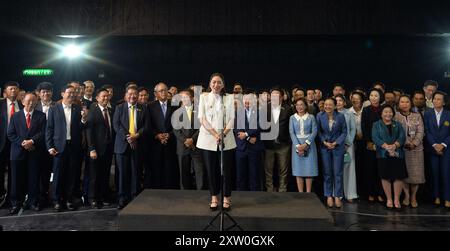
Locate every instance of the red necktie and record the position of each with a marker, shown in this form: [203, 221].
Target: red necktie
[28, 120]
[13, 110]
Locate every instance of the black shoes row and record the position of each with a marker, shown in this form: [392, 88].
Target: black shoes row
[32, 206]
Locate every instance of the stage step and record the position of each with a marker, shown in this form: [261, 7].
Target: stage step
[176, 210]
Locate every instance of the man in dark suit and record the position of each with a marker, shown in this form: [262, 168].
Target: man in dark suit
[8, 107]
[249, 145]
[164, 173]
[63, 138]
[437, 128]
[26, 133]
[276, 140]
[130, 124]
[186, 131]
[45, 93]
[100, 140]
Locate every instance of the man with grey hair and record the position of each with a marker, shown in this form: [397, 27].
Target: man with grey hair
[163, 145]
[89, 90]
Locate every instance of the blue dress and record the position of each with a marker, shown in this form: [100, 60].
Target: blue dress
[303, 129]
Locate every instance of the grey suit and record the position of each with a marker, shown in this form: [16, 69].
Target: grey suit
[188, 157]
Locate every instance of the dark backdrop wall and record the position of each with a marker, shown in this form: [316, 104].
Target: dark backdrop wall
[225, 17]
[255, 61]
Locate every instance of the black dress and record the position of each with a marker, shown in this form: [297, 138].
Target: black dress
[368, 171]
[392, 168]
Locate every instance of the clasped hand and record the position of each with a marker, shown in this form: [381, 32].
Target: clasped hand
[28, 145]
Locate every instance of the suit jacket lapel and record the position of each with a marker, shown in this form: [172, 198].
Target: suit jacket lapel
[72, 118]
[22, 122]
[61, 110]
[33, 122]
[126, 116]
[443, 118]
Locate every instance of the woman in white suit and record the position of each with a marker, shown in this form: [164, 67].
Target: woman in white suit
[216, 115]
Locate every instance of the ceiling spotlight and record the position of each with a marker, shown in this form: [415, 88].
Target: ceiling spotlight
[72, 51]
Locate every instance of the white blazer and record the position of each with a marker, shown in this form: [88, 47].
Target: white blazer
[211, 109]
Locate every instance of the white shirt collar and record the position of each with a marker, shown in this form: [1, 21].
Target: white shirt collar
[278, 107]
[66, 106]
[90, 99]
[102, 107]
[298, 117]
[31, 113]
[438, 113]
[10, 102]
[129, 105]
[44, 104]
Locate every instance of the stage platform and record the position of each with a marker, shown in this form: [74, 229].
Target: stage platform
[175, 210]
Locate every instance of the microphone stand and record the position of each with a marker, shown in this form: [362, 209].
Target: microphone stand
[222, 213]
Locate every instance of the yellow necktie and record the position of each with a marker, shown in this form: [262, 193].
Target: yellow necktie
[189, 112]
[131, 127]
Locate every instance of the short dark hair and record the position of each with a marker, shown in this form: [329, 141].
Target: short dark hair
[360, 89]
[440, 93]
[131, 87]
[302, 100]
[10, 83]
[295, 86]
[378, 83]
[360, 94]
[300, 89]
[130, 83]
[342, 97]
[65, 87]
[143, 89]
[332, 99]
[248, 91]
[398, 90]
[388, 106]
[278, 89]
[431, 82]
[421, 92]
[189, 91]
[338, 85]
[389, 91]
[101, 90]
[44, 86]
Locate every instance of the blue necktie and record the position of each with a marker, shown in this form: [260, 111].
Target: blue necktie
[164, 109]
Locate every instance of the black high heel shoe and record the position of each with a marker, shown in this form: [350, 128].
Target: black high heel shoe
[226, 206]
[214, 205]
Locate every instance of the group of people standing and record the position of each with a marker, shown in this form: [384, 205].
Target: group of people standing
[345, 146]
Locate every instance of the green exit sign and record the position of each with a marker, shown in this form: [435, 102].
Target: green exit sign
[37, 72]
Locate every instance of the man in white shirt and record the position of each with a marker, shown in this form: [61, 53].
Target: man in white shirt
[279, 144]
[63, 138]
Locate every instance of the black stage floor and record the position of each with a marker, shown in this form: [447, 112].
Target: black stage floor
[171, 210]
[357, 216]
